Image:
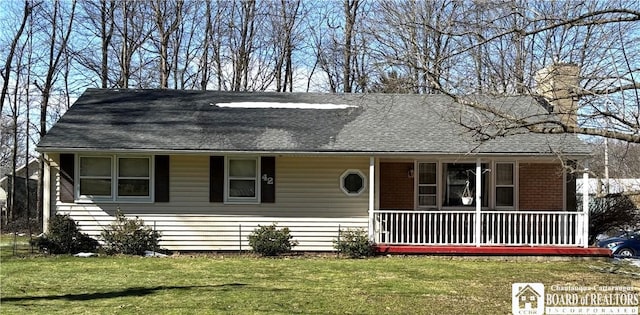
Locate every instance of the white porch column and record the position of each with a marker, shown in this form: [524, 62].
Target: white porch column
[478, 188]
[372, 186]
[585, 207]
[46, 192]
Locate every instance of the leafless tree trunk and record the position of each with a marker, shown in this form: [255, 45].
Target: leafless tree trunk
[106, 32]
[350, 14]
[132, 34]
[7, 66]
[57, 46]
[167, 19]
[244, 48]
[283, 29]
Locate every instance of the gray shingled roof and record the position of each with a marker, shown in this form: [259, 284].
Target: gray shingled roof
[168, 120]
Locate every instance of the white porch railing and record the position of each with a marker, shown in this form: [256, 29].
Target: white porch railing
[497, 228]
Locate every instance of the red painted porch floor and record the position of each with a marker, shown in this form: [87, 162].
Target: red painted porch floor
[493, 250]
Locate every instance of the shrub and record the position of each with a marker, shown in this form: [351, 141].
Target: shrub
[354, 243]
[64, 237]
[129, 236]
[271, 241]
[611, 213]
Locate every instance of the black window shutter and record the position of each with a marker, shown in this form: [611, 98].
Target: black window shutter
[268, 179]
[67, 173]
[162, 178]
[216, 179]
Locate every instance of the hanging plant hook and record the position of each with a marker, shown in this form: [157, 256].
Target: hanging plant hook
[467, 196]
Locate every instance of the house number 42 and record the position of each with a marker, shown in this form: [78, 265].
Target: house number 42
[267, 179]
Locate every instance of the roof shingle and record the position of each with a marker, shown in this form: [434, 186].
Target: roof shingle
[176, 120]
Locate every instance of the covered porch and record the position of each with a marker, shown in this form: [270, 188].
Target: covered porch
[481, 226]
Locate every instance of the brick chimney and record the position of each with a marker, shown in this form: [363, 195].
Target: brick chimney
[557, 84]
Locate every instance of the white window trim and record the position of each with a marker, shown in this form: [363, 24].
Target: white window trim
[496, 185]
[242, 200]
[349, 172]
[118, 177]
[114, 198]
[77, 180]
[492, 180]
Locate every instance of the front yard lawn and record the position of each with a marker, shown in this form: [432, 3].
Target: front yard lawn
[304, 285]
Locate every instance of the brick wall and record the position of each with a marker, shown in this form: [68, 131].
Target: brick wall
[396, 189]
[541, 186]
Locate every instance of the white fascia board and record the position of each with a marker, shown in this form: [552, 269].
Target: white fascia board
[409, 155]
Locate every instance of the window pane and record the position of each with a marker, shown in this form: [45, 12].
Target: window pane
[427, 200]
[456, 177]
[353, 183]
[95, 166]
[504, 175]
[427, 190]
[95, 187]
[504, 196]
[427, 173]
[133, 187]
[133, 167]
[242, 188]
[242, 168]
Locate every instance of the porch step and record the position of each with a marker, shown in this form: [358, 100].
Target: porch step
[493, 250]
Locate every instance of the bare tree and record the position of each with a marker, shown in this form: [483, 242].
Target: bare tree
[211, 56]
[243, 46]
[623, 160]
[61, 24]
[604, 95]
[7, 66]
[283, 26]
[133, 32]
[350, 14]
[168, 17]
[98, 19]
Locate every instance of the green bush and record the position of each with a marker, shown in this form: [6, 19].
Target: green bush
[271, 241]
[354, 243]
[64, 237]
[129, 236]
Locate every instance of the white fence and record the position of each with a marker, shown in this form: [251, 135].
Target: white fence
[499, 228]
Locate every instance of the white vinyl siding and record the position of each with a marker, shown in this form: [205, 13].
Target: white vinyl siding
[309, 202]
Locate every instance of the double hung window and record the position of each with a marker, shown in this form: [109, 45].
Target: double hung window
[242, 179]
[427, 184]
[505, 186]
[114, 178]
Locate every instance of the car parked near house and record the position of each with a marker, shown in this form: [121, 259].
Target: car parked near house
[626, 244]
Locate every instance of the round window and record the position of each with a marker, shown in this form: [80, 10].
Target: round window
[352, 182]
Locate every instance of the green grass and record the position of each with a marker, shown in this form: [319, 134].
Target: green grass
[308, 285]
[11, 245]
